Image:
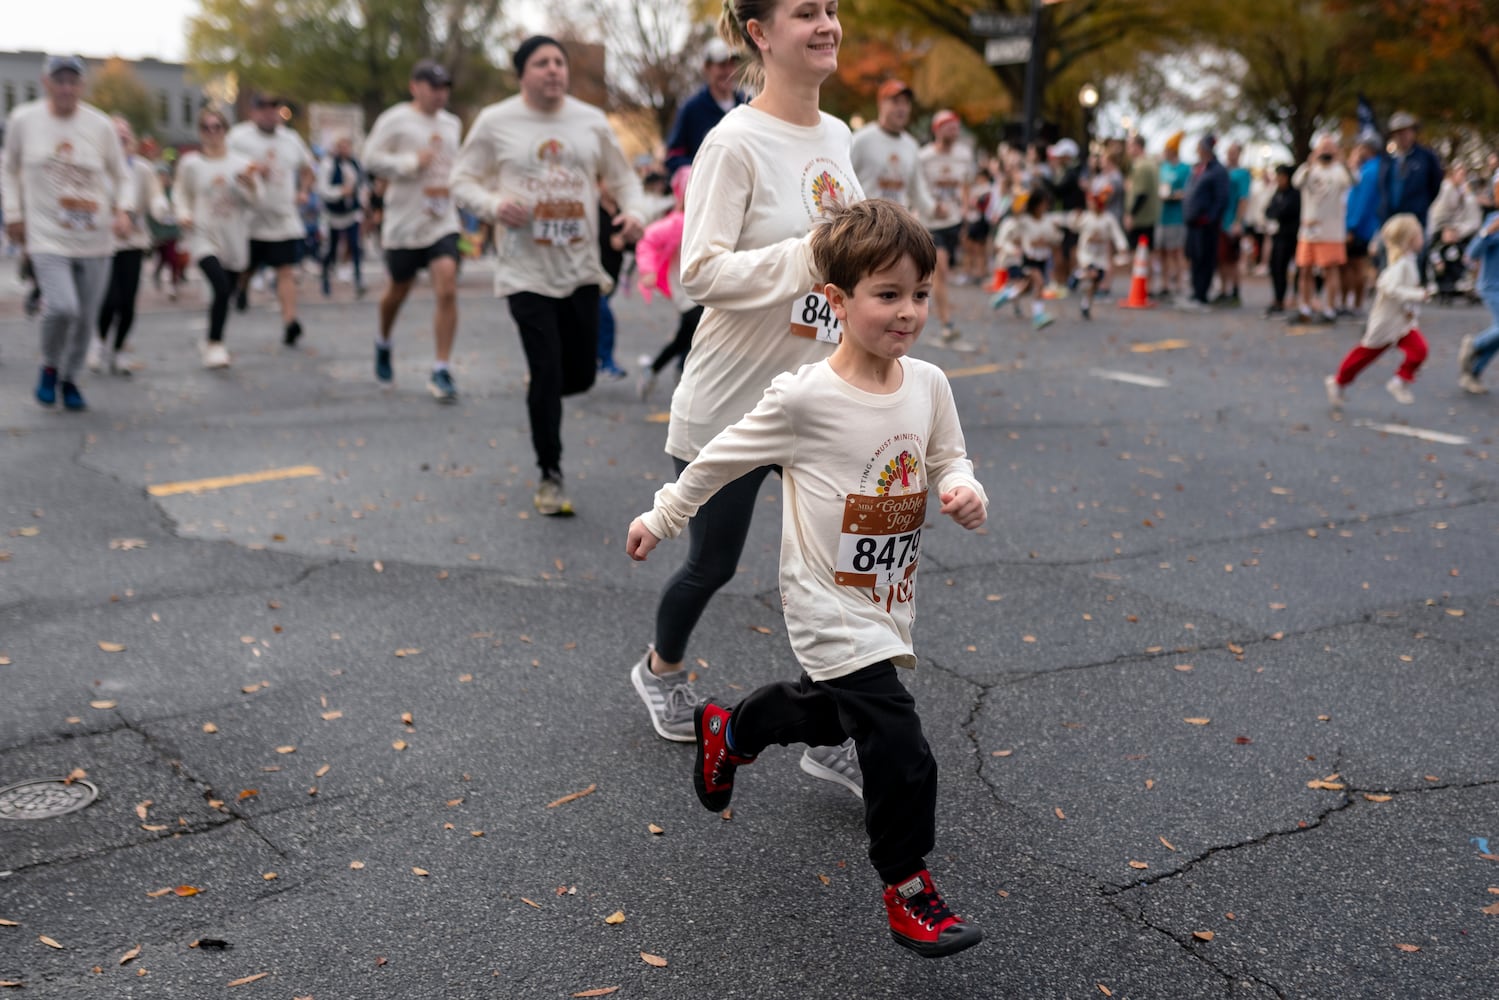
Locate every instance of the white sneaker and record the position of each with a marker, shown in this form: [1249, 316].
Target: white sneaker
[215, 354]
[1465, 356]
[646, 381]
[838, 764]
[1334, 391]
[1470, 383]
[94, 359]
[1400, 391]
[670, 698]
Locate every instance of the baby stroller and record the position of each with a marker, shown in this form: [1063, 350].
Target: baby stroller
[1448, 271]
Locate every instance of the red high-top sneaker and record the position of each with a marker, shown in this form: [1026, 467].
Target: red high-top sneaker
[713, 777]
[921, 921]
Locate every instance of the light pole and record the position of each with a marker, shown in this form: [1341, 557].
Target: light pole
[1087, 96]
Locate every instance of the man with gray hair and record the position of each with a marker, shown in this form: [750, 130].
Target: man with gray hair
[64, 173]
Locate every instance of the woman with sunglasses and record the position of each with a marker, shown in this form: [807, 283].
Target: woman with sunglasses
[216, 192]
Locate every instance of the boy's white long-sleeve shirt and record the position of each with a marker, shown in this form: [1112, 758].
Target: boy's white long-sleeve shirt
[1397, 297]
[419, 207]
[284, 155]
[861, 474]
[215, 208]
[63, 178]
[758, 187]
[552, 162]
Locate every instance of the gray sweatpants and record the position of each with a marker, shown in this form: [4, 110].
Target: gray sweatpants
[72, 290]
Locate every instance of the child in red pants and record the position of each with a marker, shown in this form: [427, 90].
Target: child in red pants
[1392, 321]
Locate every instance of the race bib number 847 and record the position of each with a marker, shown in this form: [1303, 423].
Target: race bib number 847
[812, 317]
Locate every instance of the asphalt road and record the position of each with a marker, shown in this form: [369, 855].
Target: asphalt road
[1212, 693]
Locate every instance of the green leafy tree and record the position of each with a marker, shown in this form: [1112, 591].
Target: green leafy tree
[354, 51]
[117, 89]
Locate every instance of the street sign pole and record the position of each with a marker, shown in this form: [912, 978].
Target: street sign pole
[1032, 75]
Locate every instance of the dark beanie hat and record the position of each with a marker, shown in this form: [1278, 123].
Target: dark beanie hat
[526, 49]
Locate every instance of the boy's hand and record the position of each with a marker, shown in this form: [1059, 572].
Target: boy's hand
[640, 541]
[962, 505]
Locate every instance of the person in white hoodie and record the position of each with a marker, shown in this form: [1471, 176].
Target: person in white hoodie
[1392, 322]
[64, 177]
[143, 201]
[533, 163]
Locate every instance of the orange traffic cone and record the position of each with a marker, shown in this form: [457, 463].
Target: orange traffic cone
[1139, 282]
[1001, 275]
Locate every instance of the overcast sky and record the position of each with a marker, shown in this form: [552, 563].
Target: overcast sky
[99, 28]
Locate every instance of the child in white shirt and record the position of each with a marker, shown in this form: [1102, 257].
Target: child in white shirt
[861, 438]
[1099, 237]
[1392, 321]
[1031, 235]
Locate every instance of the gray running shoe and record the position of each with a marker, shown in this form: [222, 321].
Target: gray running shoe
[839, 763]
[672, 702]
[550, 498]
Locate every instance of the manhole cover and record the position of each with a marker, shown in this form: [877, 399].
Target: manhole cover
[44, 798]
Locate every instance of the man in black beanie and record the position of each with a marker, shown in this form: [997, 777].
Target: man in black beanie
[533, 164]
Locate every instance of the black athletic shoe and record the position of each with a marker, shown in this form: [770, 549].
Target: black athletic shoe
[293, 333]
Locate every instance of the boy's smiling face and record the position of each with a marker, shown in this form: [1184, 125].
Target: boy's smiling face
[885, 313]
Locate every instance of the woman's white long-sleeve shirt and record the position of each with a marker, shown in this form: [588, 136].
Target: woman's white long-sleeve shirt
[758, 186]
[861, 474]
[215, 207]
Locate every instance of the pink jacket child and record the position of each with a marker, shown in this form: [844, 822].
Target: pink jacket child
[658, 252]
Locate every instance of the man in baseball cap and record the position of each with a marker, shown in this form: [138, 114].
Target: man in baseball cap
[885, 155]
[949, 168]
[704, 109]
[1411, 176]
[433, 72]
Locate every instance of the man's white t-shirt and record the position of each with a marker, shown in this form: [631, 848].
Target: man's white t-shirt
[888, 166]
[948, 175]
[62, 178]
[284, 155]
[419, 208]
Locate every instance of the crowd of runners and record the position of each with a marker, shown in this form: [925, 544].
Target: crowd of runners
[799, 301]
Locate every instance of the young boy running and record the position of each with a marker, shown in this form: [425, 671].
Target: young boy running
[860, 437]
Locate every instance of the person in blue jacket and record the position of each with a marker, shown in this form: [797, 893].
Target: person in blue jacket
[1206, 202]
[1363, 215]
[703, 110]
[1475, 353]
[1410, 177]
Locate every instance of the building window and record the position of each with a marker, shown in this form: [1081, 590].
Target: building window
[10, 95]
[31, 91]
[187, 109]
[163, 107]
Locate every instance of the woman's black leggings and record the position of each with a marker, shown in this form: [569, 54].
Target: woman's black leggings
[715, 538]
[223, 283]
[119, 300]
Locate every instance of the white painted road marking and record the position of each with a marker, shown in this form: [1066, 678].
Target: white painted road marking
[1436, 437]
[1148, 381]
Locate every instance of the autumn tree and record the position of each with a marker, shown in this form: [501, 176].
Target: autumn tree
[355, 51]
[116, 88]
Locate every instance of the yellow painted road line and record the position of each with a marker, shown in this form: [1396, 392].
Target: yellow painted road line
[989, 369]
[223, 482]
[1160, 345]
[658, 417]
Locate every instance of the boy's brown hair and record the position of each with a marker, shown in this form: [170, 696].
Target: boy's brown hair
[854, 241]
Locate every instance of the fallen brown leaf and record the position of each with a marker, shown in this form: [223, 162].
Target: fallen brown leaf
[398, 745]
[131, 955]
[602, 991]
[572, 797]
[111, 647]
[407, 652]
[1104, 989]
[617, 917]
[653, 960]
[824, 880]
[248, 979]
[1492, 910]
[248, 793]
[1409, 947]
[658, 831]
[1060, 814]
[186, 890]
[1377, 798]
[356, 865]
[141, 807]
[422, 872]
[286, 749]
[1326, 786]
[528, 902]
[158, 893]
[1166, 843]
[331, 715]
[1203, 935]
[44, 939]
[1138, 865]
[210, 728]
[761, 629]
[1197, 721]
[1001, 753]
[9, 923]
[103, 704]
[320, 772]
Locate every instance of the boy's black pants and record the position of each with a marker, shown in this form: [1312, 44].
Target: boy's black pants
[900, 774]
